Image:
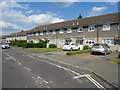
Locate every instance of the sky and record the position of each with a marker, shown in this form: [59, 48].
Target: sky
[17, 16]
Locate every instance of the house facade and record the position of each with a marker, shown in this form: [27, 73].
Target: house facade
[84, 31]
[18, 36]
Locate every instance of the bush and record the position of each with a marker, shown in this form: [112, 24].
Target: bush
[24, 45]
[86, 47]
[78, 52]
[28, 45]
[52, 46]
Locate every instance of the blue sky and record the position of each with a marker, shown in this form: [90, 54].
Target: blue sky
[17, 16]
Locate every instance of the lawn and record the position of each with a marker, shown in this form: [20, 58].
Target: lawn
[115, 60]
[44, 49]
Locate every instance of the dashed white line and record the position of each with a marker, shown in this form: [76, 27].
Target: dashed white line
[33, 78]
[42, 79]
[19, 63]
[26, 68]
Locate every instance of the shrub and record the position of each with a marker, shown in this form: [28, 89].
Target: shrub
[86, 47]
[28, 45]
[52, 46]
[42, 44]
[77, 52]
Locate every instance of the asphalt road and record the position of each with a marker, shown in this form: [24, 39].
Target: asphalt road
[22, 70]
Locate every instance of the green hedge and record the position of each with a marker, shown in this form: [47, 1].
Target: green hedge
[86, 47]
[77, 52]
[24, 44]
[52, 46]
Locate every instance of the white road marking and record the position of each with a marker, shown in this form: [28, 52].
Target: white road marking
[26, 68]
[33, 78]
[19, 63]
[42, 79]
[80, 76]
[88, 76]
[95, 82]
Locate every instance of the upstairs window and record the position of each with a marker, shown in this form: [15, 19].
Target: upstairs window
[36, 33]
[80, 29]
[106, 27]
[69, 30]
[47, 32]
[53, 32]
[41, 33]
[61, 31]
[91, 28]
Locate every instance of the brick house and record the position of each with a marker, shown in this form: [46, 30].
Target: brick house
[83, 31]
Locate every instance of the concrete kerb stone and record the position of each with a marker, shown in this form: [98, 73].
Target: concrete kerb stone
[91, 71]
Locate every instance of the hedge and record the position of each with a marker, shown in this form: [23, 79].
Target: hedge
[52, 46]
[77, 52]
[86, 47]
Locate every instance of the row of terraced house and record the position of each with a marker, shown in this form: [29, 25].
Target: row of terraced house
[83, 31]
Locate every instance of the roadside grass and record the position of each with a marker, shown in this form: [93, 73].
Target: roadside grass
[44, 49]
[78, 52]
[115, 60]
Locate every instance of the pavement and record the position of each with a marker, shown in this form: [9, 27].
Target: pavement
[100, 64]
[23, 69]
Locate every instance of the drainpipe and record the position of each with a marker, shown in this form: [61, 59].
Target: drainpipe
[97, 34]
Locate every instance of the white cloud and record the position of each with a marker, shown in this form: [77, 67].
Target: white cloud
[95, 11]
[98, 9]
[7, 28]
[65, 3]
[16, 19]
[6, 25]
[8, 5]
[43, 19]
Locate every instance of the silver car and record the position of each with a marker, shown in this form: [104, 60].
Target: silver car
[5, 46]
[101, 48]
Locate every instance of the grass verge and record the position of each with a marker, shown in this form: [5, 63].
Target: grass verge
[77, 52]
[115, 60]
[44, 49]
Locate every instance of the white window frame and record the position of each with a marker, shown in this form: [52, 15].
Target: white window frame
[53, 32]
[41, 33]
[80, 29]
[47, 32]
[28, 34]
[69, 30]
[91, 28]
[61, 31]
[108, 41]
[32, 34]
[106, 27]
[37, 33]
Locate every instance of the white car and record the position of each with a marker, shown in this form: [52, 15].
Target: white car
[5, 46]
[71, 46]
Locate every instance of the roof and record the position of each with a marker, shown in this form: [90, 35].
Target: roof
[22, 33]
[95, 20]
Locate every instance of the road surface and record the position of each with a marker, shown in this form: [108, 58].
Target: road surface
[23, 70]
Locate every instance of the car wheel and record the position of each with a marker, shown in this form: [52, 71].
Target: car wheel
[105, 53]
[71, 49]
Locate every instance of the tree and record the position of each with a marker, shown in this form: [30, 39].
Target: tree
[80, 16]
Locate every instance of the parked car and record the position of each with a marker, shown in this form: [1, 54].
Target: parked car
[101, 48]
[5, 46]
[71, 46]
